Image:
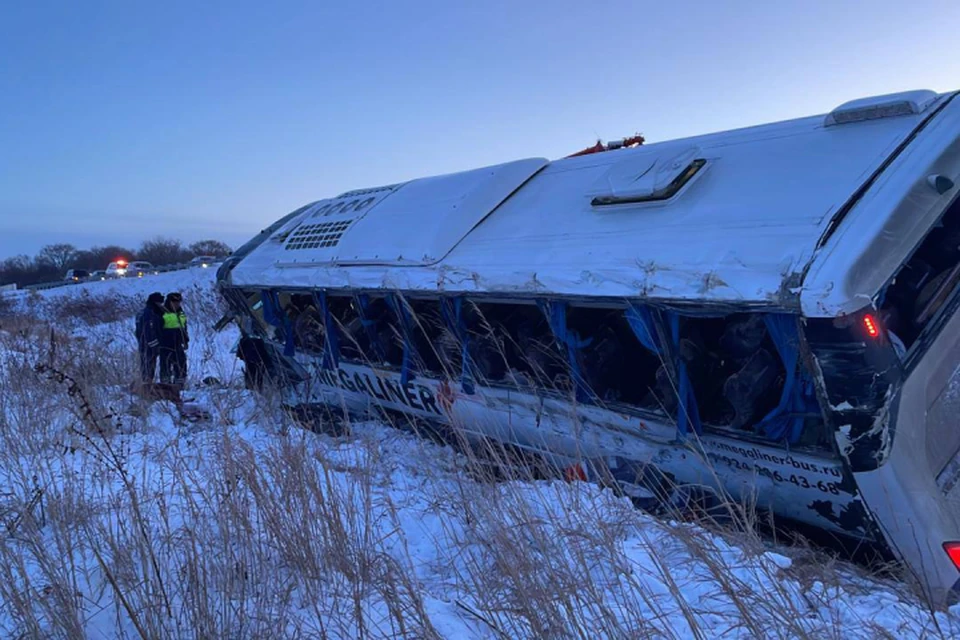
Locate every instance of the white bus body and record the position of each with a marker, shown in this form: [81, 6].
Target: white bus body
[813, 224]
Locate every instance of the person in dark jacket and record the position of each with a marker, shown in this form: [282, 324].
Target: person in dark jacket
[149, 325]
[174, 340]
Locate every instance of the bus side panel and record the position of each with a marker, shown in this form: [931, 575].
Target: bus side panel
[796, 485]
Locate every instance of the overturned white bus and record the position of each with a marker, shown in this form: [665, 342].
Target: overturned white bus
[771, 309]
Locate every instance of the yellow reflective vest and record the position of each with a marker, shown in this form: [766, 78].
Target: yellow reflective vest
[174, 332]
[174, 320]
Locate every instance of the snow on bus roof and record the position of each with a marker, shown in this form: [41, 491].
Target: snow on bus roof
[727, 217]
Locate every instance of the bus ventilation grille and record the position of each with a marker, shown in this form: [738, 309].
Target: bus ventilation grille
[317, 236]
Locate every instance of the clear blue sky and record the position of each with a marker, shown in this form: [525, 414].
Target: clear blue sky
[124, 120]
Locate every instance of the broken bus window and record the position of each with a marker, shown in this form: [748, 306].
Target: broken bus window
[924, 282]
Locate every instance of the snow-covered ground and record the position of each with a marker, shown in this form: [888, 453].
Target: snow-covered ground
[123, 520]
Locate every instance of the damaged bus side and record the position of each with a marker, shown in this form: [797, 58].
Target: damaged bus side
[767, 313]
[718, 398]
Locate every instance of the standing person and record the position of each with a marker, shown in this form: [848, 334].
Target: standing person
[174, 341]
[149, 325]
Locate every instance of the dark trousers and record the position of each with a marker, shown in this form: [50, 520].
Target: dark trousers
[173, 366]
[148, 365]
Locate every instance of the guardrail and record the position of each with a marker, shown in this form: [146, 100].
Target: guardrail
[67, 283]
[46, 285]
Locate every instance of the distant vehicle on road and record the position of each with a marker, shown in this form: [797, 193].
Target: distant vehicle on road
[77, 275]
[140, 268]
[203, 261]
[98, 275]
[122, 268]
[116, 269]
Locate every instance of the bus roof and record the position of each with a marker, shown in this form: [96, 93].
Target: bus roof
[731, 217]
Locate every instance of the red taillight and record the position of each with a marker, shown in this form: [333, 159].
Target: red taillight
[871, 325]
[953, 550]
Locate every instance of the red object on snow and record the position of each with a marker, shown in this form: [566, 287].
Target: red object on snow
[575, 472]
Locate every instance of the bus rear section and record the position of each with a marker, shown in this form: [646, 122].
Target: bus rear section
[894, 394]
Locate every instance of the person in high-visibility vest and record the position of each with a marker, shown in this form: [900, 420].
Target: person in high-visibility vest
[174, 340]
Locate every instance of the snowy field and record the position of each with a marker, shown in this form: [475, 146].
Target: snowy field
[123, 520]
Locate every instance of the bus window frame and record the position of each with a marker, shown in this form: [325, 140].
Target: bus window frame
[255, 313]
[935, 324]
[670, 354]
[931, 331]
[367, 361]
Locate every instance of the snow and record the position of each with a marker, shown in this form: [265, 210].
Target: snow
[249, 527]
[183, 280]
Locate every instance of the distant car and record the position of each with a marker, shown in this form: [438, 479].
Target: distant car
[140, 268]
[77, 275]
[116, 269]
[98, 275]
[203, 261]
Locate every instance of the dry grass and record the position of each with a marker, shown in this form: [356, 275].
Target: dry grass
[122, 520]
[7, 305]
[94, 310]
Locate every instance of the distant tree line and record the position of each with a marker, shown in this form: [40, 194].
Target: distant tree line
[52, 261]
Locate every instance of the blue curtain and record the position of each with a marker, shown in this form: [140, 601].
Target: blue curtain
[406, 328]
[363, 303]
[688, 410]
[643, 324]
[452, 310]
[799, 396]
[556, 314]
[331, 346]
[271, 311]
[798, 399]
[275, 317]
